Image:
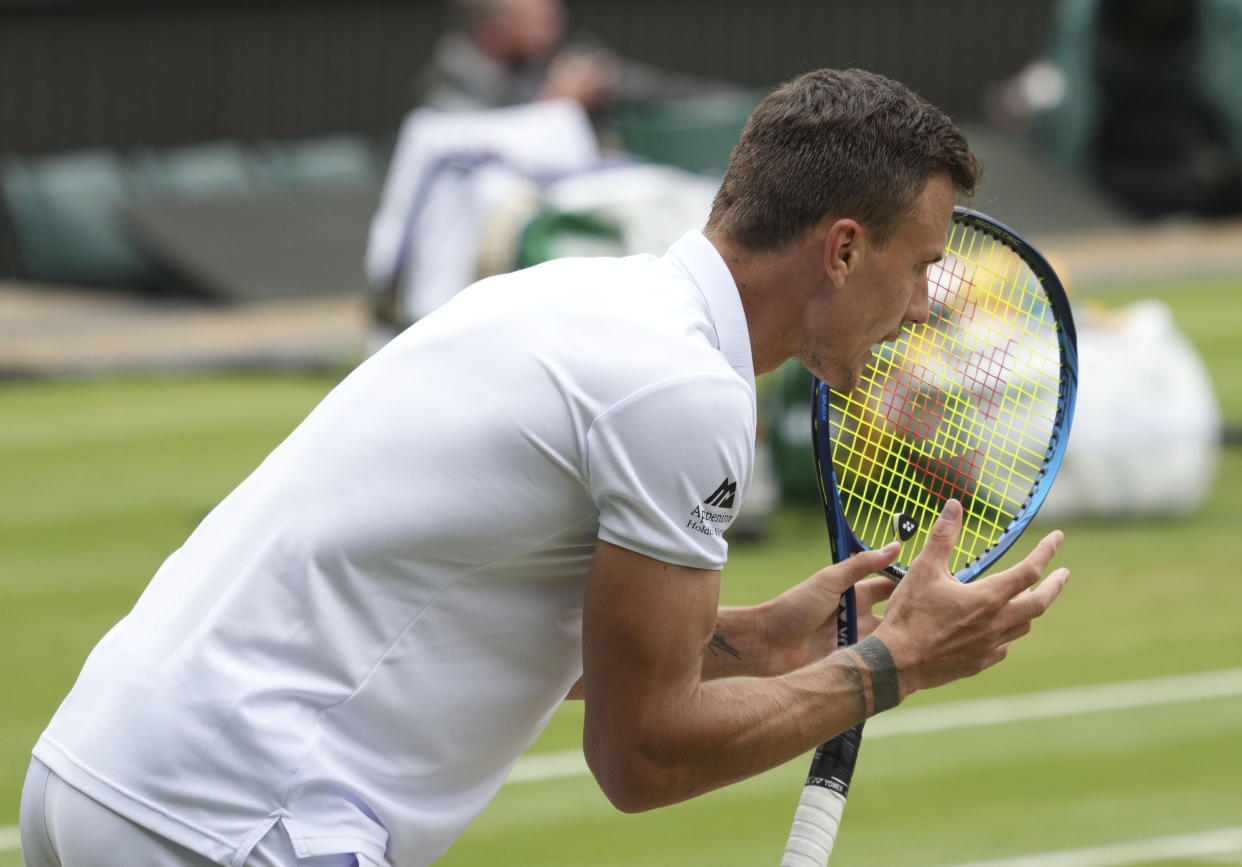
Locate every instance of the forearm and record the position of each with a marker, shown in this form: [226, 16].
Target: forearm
[683, 696]
[674, 747]
[738, 647]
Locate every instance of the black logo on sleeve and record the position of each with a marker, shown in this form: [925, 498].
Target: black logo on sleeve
[722, 497]
[712, 523]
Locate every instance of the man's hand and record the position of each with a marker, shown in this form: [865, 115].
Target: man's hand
[800, 625]
[939, 630]
[658, 729]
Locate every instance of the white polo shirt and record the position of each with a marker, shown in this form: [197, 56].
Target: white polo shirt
[363, 637]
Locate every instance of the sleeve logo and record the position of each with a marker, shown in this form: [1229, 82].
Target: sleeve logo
[722, 497]
[711, 523]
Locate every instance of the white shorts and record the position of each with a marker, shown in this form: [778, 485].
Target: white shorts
[61, 827]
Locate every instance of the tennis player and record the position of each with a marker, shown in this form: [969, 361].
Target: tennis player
[527, 495]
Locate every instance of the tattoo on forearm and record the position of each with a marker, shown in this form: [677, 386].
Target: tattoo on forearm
[883, 670]
[718, 646]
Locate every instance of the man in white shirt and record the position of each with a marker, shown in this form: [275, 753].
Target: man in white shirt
[525, 496]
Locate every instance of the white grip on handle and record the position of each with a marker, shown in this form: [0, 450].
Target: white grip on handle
[814, 829]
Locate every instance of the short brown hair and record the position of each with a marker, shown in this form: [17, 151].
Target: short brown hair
[836, 142]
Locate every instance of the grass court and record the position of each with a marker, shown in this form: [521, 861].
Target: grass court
[103, 478]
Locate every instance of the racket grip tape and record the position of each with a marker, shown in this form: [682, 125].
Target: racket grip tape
[822, 804]
[814, 828]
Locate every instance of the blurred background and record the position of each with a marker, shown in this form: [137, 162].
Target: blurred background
[211, 210]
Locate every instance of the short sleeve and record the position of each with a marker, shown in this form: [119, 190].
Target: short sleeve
[669, 466]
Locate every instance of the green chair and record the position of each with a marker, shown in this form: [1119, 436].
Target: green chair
[556, 234]
[327, 161]
[697, 135]
[197, 171]
[64, 211]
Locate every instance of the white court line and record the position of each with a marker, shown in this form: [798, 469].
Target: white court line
[1053, 704]
[1205, 844]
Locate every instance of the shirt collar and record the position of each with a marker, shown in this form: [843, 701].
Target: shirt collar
[702, 263]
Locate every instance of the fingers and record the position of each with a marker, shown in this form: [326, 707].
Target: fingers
[875, 560]
[1026, 574]
[1018, 613]
[823, 590]
[849, 572]
[1014, 633]
[1030, 605]
[873, 591]
[943, 536]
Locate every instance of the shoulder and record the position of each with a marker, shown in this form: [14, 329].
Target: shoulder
[712, 394]
[668, 467]
[606, 329]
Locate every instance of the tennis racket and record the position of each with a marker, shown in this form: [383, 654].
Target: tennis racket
[975, 405]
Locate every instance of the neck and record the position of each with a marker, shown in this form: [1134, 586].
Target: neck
[774, 286]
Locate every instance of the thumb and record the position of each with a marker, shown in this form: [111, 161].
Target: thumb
[943, 536]
[839, 577]
[866, 563]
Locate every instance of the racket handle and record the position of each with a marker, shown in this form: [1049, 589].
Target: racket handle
[894, 572]
[815, 827]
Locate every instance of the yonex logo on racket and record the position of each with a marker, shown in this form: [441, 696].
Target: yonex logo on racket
[722, 497]
[904, 526]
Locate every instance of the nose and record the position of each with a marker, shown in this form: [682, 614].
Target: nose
[920, 305]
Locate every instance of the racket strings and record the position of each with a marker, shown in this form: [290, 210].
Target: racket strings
[964, 406]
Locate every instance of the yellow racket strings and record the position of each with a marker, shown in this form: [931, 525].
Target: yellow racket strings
[961, 407]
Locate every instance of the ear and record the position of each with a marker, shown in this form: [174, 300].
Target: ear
[841, 249]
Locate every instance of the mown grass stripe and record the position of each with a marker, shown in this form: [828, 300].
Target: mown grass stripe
[1052, 704]
[1204, 844]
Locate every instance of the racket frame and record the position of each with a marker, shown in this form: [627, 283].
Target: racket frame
[844, 543]
[820, 809]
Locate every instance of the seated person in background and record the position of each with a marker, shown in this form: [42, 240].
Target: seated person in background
[486, 149]
[506, 109]
[508, 52]
[501, 53]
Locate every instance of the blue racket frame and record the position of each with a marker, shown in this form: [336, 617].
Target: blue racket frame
[833, 765]
[843, 541]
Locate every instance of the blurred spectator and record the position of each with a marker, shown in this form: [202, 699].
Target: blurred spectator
[507, 108]
[451, 175]
[1143, 97]
[501, 53]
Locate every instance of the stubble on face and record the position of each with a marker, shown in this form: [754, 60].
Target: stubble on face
[882, 296]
